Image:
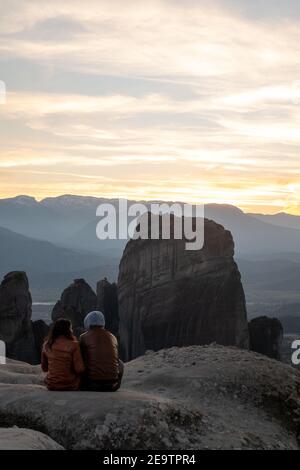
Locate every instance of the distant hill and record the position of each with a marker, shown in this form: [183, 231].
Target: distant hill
[28, 217]
[47, 287]
[281, 220]
[71, 221]
[18, 252]
[54, 240]
[254, 237]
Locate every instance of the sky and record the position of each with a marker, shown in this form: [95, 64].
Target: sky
[197, 101]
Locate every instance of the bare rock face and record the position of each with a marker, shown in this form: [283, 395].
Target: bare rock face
[169, 296]
[15, 317]
[15, 306]
[75, 303]
[266, 336]
[107, 302]
[198, 397]
[40, 332]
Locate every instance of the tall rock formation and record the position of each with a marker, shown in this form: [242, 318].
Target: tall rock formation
[266, 335]
[107, 302]
[169, 296]
[75, 303]
[15, 318]
[40, 332]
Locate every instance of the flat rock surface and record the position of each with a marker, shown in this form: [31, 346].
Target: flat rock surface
[198, 397]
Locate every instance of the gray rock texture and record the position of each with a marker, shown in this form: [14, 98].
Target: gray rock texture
[169, 296]
[40, 332]
[107, 302]
[26, 439]
[197, 397]
[15, 318]
[75, 303]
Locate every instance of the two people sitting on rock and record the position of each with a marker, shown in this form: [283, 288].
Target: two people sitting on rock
[92, 363]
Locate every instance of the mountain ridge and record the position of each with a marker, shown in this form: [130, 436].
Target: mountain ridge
[69, 223]
[69, 197]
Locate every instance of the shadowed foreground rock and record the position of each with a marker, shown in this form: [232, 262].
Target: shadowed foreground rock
[169, 296]
[198, 397]
[266, 335]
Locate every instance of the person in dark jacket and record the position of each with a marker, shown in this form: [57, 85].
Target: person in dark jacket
[61, 358]
[99, 347]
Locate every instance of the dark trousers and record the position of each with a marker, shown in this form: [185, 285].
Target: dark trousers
[104, 385]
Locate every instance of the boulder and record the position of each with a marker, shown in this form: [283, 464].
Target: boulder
[26, 439]
[17, 372]
[197, 397]
[107, 302]
[266, 335]
[169, 296]
[75, 303]
[15, 317]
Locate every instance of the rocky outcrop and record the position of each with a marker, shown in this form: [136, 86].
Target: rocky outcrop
[23, 338]
[266, 335]
[25, 439]
[169, 296]
[79, 299]
[40, 332]
[15, 306]
[15, 318]
[107, 302]
[75, 303]
[198, 397]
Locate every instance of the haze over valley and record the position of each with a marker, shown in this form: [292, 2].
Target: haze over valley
[55, 241]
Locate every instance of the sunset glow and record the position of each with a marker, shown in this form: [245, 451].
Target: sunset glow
[158, 100]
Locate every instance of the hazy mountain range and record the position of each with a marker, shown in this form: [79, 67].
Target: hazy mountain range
[54, 240]
[71, 221]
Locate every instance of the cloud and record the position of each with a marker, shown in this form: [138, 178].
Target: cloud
[153, 39]
[198, 101]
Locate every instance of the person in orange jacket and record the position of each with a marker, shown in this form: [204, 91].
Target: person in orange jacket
[61, 358]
